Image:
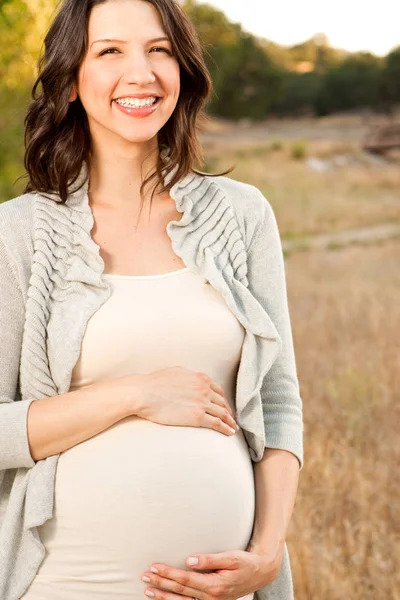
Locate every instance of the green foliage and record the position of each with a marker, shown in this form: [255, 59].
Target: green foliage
[278, 55]
[251, 83]
[22, 27]
[299, 91]
[13, 105]
[244, 77]
[23, 24]
[389, 85]
[352, 84]
[217, 35]
[298, 150]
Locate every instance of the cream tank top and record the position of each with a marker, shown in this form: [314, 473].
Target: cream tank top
[169, 491]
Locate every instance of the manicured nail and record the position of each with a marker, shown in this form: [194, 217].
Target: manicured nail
[146, 579]
[154, 570]
[192, 560]
[149, 593]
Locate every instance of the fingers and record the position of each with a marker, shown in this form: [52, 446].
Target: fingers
[223, 417]
[222, 413]
[210, 422]
[220, 397]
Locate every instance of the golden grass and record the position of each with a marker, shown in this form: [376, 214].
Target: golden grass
[307, 202]
[344, 537]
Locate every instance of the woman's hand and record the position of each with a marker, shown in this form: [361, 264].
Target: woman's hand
[235, 575]
[179, 396]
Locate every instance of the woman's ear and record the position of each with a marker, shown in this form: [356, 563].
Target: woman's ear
[73, 95]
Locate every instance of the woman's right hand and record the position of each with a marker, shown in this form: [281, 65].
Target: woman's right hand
[179, 396]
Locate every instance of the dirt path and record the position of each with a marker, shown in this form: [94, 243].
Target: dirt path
[328, 129]
[366, 235]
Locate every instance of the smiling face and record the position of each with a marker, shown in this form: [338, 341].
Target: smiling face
[135, 64]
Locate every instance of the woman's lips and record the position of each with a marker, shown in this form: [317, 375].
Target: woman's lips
[143, 111]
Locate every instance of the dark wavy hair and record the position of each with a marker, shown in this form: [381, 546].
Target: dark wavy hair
[57, 135]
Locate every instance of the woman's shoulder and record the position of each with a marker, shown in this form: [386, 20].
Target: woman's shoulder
[247, 201]
[244, 194]
[16, 222]
[17, 210]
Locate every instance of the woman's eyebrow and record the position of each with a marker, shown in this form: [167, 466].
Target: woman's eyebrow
[159, 39]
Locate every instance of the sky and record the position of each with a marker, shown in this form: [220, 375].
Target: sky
[349, 24]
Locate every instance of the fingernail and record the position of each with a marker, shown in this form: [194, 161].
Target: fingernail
[192, 560]
[149, 593]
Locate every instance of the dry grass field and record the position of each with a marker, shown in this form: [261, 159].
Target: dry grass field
[345, 535]
[359, 193]
[344, 539]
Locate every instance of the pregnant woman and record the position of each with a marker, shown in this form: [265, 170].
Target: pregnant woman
[150, 408]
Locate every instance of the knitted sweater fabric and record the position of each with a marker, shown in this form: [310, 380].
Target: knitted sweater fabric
[51, 284]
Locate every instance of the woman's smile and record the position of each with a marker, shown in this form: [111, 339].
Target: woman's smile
[138, 111]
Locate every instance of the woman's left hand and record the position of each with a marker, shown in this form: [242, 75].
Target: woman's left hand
[236, 574]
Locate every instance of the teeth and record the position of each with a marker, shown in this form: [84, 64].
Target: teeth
[136, 102]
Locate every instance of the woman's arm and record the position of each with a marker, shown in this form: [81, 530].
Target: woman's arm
[32, 430]
[276, 480]
[277, 473]
[280, 393]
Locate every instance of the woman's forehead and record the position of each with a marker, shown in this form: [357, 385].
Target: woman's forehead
[125, 19]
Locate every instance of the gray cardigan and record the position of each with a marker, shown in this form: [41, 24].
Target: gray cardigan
[51, 284]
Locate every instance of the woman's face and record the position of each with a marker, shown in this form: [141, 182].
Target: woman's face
[132, 65]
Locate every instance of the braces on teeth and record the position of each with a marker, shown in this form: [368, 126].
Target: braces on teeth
[136, 103]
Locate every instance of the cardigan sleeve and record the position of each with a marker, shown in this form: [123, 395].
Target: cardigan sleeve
[14, 446]
[280, 393]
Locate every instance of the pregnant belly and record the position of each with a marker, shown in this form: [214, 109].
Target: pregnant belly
[140, 493]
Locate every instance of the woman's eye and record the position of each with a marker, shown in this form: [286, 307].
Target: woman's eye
[108, 50]
[163, 49]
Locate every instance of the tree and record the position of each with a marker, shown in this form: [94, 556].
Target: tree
[251, 83]
[244, 78]
[299, 93]
[23, 24]
[352, 84]
[389, 86]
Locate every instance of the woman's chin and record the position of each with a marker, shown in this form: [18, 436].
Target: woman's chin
[144, 138]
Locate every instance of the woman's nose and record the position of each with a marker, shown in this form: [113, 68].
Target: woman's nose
[139, 71]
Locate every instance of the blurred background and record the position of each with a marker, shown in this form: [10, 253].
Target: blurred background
[307, 106]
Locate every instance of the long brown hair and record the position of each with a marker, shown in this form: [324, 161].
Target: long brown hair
[57, 135]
